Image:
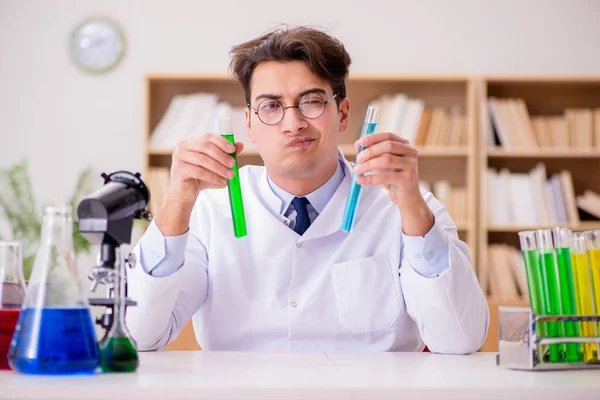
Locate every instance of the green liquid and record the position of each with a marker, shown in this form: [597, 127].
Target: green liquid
[534, 283]
[235, 196]
[584, 303]
[567, 299]
[552, 305]
[119, 355]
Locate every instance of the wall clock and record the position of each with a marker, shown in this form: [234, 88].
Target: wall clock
[97, 45]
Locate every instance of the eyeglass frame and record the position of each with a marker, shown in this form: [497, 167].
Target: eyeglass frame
[325, 102]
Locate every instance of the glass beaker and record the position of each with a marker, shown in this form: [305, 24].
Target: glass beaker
[12, 294]
[118, 350]
[55, 333]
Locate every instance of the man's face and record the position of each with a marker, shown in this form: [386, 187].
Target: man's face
[296, 146]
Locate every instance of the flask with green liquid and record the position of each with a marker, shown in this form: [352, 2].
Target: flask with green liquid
[118, 349]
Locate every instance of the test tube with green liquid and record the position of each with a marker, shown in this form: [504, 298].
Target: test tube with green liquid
[550, 288]
[531, 258]
[562, 244]
[235, 192]
[584, 295]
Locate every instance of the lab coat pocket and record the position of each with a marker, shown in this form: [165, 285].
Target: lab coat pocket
[366, 294]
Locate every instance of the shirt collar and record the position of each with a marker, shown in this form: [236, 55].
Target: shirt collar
[317, 198]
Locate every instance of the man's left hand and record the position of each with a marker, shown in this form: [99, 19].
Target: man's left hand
[393, 162]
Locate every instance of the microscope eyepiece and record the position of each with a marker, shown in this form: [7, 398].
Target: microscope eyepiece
[107, 214]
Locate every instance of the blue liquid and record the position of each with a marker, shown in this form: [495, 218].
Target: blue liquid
[355, 189]
[55, 341]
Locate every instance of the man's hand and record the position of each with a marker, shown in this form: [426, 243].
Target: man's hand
[199, 162]
[392, 161]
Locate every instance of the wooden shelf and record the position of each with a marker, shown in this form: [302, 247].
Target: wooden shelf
[544, 153]
[584, 225]
[349, 150]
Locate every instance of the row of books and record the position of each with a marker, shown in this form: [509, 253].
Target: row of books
[503, 276]
[511, 126]
[193, 114]
[422, 126]
[453, 198]
[533, 198]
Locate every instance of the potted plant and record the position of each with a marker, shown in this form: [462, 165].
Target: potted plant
[20, 210]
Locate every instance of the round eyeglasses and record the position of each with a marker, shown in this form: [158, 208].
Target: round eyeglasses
[311, 106]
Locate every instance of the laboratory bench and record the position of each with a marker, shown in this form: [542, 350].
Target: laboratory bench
[246, 375]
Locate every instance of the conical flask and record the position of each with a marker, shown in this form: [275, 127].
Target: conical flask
[55, 333]
[12, 294]
[118, 349]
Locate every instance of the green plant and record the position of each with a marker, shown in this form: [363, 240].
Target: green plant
[23, 215]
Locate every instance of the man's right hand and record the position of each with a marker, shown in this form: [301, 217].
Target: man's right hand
[199, 162]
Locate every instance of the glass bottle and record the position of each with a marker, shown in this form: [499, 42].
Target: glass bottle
[55, 332]
[12, 294]
[118, 349]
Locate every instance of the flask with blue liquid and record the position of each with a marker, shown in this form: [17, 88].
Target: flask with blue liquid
[55, 332]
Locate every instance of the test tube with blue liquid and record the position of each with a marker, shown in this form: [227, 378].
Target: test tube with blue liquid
[369, 126]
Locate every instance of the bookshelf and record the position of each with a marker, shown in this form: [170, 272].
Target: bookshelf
[559, 131]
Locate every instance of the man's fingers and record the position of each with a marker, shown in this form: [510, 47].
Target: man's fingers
[376, 179]
[373, 138]
[204, 161]
[211, 150]
[387, 147]
[202, 174]
[386, 162]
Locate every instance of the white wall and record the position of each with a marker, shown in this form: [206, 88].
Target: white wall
[62, 119]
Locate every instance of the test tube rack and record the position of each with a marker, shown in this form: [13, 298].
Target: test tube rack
[519, 344]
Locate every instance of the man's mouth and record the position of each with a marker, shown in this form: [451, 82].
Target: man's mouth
[301, 142]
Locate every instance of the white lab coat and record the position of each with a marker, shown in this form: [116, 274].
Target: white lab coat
[327, 290]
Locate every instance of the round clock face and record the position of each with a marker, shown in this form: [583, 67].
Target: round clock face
[97, 45]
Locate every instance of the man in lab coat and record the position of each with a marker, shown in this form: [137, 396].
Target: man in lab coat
[400, 280]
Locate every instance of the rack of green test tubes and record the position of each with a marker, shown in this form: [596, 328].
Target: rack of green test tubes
[560, 329]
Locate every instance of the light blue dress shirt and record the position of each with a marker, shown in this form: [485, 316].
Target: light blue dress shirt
[318, 198]
[162, 256]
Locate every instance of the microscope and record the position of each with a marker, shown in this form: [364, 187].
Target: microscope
[106, 218]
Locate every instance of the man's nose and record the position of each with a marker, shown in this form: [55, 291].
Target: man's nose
[293, 121]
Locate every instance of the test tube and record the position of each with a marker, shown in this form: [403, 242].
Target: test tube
[529, 250]
[593, 249]
[550, 289]
[562, 243]
[235, 192]
[349, 218]
[584, 298]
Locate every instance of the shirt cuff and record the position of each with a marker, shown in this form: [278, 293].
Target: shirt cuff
[427, 255]
[161, 255]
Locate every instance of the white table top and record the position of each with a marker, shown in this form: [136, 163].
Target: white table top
[239, 375]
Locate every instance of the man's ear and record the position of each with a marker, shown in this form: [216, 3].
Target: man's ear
[344, 114]
[248, 127]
